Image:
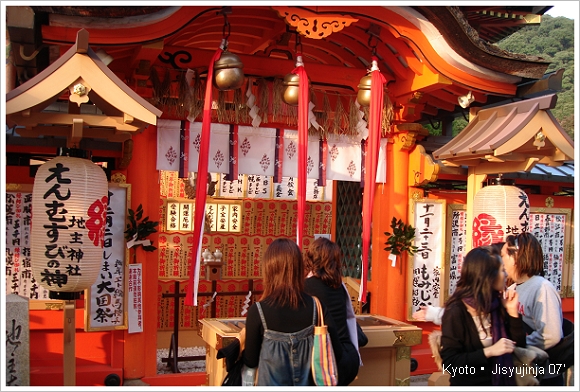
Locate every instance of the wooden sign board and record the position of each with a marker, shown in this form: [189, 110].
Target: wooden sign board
[106, 299]
[427, 272]
[553, 227]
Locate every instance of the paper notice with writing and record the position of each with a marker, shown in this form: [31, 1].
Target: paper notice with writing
[135, 305]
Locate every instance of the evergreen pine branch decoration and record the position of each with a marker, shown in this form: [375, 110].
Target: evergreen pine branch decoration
[401, 239]
[139, 228]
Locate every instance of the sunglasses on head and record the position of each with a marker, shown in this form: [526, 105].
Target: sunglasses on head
[515, 245]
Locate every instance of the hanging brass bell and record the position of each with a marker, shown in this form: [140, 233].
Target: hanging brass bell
[228, 72]
[291, 91]
[363, 97]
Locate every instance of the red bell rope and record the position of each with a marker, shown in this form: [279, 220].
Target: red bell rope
[371, 161]
[303, 102]
[200, 188]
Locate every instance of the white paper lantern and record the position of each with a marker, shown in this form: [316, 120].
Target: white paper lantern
[498, 211]
[69, 206]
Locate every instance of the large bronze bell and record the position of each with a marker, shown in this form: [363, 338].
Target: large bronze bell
[363, 97]
[291, 92]
[228, 72]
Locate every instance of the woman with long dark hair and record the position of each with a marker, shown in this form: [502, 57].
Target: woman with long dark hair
[324, 268]
[280, 327]
[480, 328]
[435, 313]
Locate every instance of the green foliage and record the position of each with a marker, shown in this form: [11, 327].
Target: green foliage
[553, 40]
[459, 125]
[141, 227]
[401, 239]
[432, 130]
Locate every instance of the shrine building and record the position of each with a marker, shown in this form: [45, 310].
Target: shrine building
[274, 122]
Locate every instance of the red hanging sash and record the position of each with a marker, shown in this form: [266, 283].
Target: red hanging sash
[371, 161]
[303, 102]
[201, 187]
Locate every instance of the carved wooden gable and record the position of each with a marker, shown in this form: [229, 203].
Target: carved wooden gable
[82, 76]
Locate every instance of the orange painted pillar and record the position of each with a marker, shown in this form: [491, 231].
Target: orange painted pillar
[140, 353]
[388, 285]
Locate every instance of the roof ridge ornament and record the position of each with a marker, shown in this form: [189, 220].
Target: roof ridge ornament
[82, 42]
[79, 91]
[313, 25]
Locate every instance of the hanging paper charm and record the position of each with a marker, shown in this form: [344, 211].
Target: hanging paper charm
[251, 103]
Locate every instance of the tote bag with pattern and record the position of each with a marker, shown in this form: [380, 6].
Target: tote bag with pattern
[324, 369]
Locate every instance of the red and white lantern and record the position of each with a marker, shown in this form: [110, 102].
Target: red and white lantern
[498, 211]
[69, 206]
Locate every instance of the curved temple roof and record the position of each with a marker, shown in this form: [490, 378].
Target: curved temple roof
[81, 74]
[510, 138]
[429, 55]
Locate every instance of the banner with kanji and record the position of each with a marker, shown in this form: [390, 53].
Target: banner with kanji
[426, 279]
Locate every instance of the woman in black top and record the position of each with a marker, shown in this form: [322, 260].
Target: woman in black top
[323, 262]
[480, 328]
[282, 352]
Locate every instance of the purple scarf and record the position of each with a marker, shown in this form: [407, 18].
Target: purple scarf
[497, 332]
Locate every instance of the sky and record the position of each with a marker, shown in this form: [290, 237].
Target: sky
[568, 9]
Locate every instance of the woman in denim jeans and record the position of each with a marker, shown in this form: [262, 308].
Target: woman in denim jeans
[279, 328]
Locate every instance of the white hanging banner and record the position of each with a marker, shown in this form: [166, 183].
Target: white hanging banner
[168, 144]
[290, 158]
[135, 300]
[344, 160]
[256, 150]
[219, 147]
